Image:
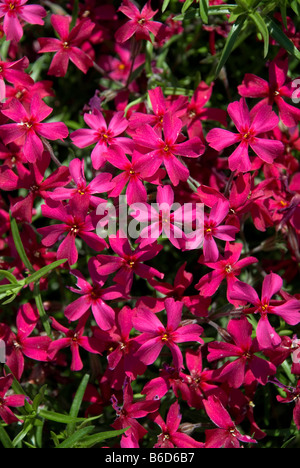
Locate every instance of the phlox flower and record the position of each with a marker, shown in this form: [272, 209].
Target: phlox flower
[8, 400]
[243, 348]
[21, 344]
[73, 339]
[127, 416]
[140, 22]
[227, 267]
[14, 73]
[102, 135]
[165, 149]
[226, 435]
[249, 126]
[13, 11]
[279, 87]
[171, 435]
[128, 262]
[75, 222]
[214, 229]
[93, 295]
[155, 335]
[68, 46]
[29, 127]
[35, 182]
[288, 310]
[82, 189]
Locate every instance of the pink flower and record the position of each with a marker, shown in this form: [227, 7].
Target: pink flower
[8, 401]
[103, 135]
[128, 262]
[74, 339]
[155, 335]
[292, 396]
[226, 267]
[139, 24]
[12, 10]
[280, 86]
[76, 222]
[227, 435]
[249, 126]
[99, 184]
[127, 416]
[243, 348]
[133, 175]
[22, 344]
[160, 219]
[196, 112]
[68, 46]
[34, 182]
[29, 127]
[214, 229]
[14, 72]
[166, 148]
[118, 69]
[171, 435]
[289, 310]
[94, 296]
[160, 106]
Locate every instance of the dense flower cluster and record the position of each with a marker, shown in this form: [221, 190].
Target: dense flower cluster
[200, 328]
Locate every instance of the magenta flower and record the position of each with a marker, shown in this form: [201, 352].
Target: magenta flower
[288, 310]
[121, 348]
[127, 416]
[13, 11]
[214, 229]
[228, 267]
[99, 184]
[8, 400]
[292, 396]
[103, 135]
[128, 262]
[166, 148]
[74, 339]
[171, 435]
[163, 218]
[280, 86]
[132, 176]
[249, 126]
[76, 222]
[227, 435]
[196, 111]
[68, 46]
[14, 72]
[160, 106]
[29, 127]
[94, 296]
[140, 22]
[34, 182]
[22, 344]
[243, 348]
[155, 335]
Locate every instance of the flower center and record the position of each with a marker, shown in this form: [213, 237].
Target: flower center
[74, 229]
[141, 21]
[11, 6]
[228, 268]
[121, 66]
[165, 337]
[65, 45]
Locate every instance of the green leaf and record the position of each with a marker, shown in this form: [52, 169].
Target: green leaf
[5, 439]
[186, 5]
[75, 11]
[41, 309]
[165, 5]
[279, 36]
[203, 8]
[19, 245]
[230, 41]
[76, 437]
[94, 439]
[262, 28]
[43, 271]
[6, 274]
[59, 417]
[76, 404]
